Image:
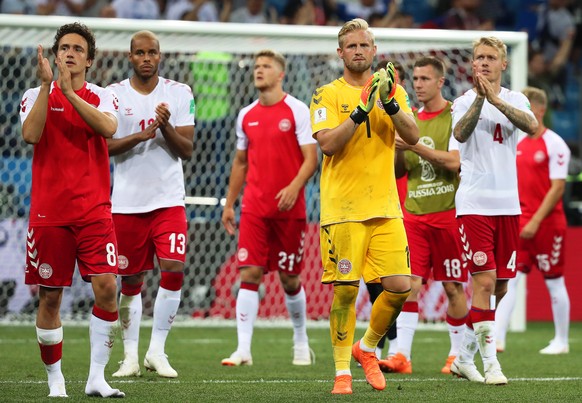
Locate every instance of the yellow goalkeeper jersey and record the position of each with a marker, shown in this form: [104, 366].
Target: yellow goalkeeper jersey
[357, 183]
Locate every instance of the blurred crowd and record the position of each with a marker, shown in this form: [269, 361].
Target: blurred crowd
[553, 25]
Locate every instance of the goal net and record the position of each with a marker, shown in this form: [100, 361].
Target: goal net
[216, 60]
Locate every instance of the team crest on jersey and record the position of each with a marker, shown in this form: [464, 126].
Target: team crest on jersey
[539, 157]
[243, 254]
[122, 262]
[344, 266]
[285, 125]
[480, 258]
[45, 271]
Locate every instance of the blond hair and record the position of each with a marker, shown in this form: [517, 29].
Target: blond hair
[357, 24]
[144, 34]
[276, 56]
[536, 96]
[494, 43]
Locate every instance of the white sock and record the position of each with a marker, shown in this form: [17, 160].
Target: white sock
[165, 308]
[130, 310]
[505, 308]
[485, 335]
[406, 327]
[56, 380]
[392, 346]
[247, 309]
[456, 337]
[296, 306]
[101, 335]
[560, 308]
[469, 346]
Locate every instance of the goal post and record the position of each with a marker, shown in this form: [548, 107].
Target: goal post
[215, 59]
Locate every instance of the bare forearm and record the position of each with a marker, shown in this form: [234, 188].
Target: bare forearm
[519, 118]
[120, 146]
[100, 122]
[399, 164]
[235, 182]
[406, 127]
[466, 125]
[551, 199]
[180, 141]
[334, 140]
[449, 160]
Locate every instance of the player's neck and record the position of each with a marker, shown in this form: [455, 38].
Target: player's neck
[436, 104]
[541, 130]
[271, 96]
[144, 86]
[356, 79]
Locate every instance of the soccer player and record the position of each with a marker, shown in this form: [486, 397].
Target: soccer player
[70, 221]
[362, 234]
[486, 122]
[156, 132]
[542, 167]
[430, 220]
[275, 156]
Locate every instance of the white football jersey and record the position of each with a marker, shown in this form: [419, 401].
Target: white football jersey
[488, 158]
[149, 176]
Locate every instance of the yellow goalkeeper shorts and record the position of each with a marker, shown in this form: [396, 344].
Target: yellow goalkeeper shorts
[370, 249]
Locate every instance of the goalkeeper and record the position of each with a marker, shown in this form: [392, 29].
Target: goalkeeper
[354, 120]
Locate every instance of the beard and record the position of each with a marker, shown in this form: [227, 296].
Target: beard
[358, 67]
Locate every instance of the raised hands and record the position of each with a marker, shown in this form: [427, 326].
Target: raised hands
[43, 70]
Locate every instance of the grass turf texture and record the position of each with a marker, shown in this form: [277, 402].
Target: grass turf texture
[196, 353]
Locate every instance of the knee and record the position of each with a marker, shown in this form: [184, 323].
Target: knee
[290, 283]
[345, 294]
[453, 290]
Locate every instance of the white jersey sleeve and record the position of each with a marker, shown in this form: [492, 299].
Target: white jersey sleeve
[302, 121]
[558, 153]
[242, 141]
[27, 102]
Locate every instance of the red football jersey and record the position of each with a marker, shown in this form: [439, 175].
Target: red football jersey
[70, 166]
[540, 160]
[272, 136]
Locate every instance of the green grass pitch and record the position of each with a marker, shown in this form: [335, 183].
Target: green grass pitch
[195, 352]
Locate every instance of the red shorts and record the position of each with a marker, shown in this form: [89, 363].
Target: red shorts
[546, 251]
[490, 243]
[51, 253]
[271, 244]
[435, 248]
[163, 232]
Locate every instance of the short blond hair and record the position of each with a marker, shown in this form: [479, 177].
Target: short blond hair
[494, 43]
[276, 56]
[144, 34]
[536, 96]
[357, 24]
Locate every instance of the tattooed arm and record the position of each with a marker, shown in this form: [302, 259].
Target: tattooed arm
[466, 125]
[522, 120]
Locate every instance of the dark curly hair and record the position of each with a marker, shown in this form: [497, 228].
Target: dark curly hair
[79, 29]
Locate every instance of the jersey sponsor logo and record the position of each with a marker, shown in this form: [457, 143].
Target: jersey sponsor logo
[45, 270]
[320, 115]
[344, 266]
[243, 254]
[480, 258]
[57, 109]
[253, 124]
[128, 111]
[122, 262]
[285, 125]
[539, 157]
[345, 108]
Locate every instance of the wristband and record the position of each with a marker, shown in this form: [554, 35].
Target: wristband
[358, 115]
[391, 107]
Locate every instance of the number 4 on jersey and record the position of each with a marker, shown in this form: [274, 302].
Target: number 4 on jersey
[497, 136]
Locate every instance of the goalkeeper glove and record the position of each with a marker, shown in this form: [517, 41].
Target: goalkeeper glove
[387, 88]
[366, 99]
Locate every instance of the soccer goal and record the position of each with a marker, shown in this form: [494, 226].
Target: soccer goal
[216, 60]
